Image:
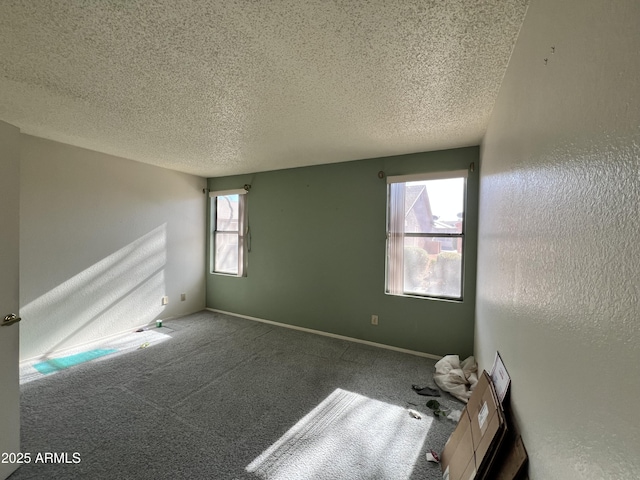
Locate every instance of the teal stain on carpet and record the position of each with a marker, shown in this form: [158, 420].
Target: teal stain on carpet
[57, 364]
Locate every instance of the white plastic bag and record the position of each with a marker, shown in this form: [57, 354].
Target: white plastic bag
[459, 379]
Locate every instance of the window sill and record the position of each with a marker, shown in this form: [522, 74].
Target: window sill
[222, 274]
[425, 297]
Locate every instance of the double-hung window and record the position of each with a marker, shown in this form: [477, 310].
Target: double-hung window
[229, 214]
[425, 234]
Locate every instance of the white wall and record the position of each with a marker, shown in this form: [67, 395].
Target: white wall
[102, 239]
[559, 240]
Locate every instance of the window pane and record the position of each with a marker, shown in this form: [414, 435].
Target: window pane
[226, 255]
[434, 206]
[431, 270]
[227, 208]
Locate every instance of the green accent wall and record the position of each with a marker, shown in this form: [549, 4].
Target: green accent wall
[317, 255]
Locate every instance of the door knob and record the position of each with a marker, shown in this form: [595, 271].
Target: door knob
[10, 320]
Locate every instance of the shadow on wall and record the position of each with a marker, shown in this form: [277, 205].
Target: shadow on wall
[118, 293]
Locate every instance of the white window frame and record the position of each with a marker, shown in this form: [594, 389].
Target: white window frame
[241, 232]
[394, 271]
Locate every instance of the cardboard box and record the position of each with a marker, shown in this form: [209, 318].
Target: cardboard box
[458, 453]
[472, 447]
[489, 428]
[511, 461]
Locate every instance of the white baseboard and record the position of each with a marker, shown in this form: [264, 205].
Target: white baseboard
[327, 334]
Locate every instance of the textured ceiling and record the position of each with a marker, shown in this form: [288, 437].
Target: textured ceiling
[224, 87]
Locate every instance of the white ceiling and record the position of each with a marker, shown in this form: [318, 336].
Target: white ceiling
[225, 87]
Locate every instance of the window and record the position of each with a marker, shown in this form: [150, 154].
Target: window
[425, 234]
[229, 210]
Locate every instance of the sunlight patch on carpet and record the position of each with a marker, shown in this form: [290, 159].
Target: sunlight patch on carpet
[346, 436]
[57, 364]
[31, 370]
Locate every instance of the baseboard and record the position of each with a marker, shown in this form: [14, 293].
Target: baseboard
[79, 346]
[327, 334]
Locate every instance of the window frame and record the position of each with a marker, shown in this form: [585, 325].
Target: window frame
[404, 179]
[241, 232]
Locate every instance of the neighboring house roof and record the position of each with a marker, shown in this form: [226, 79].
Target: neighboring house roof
[419, 215]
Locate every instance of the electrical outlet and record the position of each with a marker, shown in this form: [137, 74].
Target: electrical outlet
[374, 319]
[165, 300]
[183, 297]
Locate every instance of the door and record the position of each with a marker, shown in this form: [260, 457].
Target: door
[9, 284]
